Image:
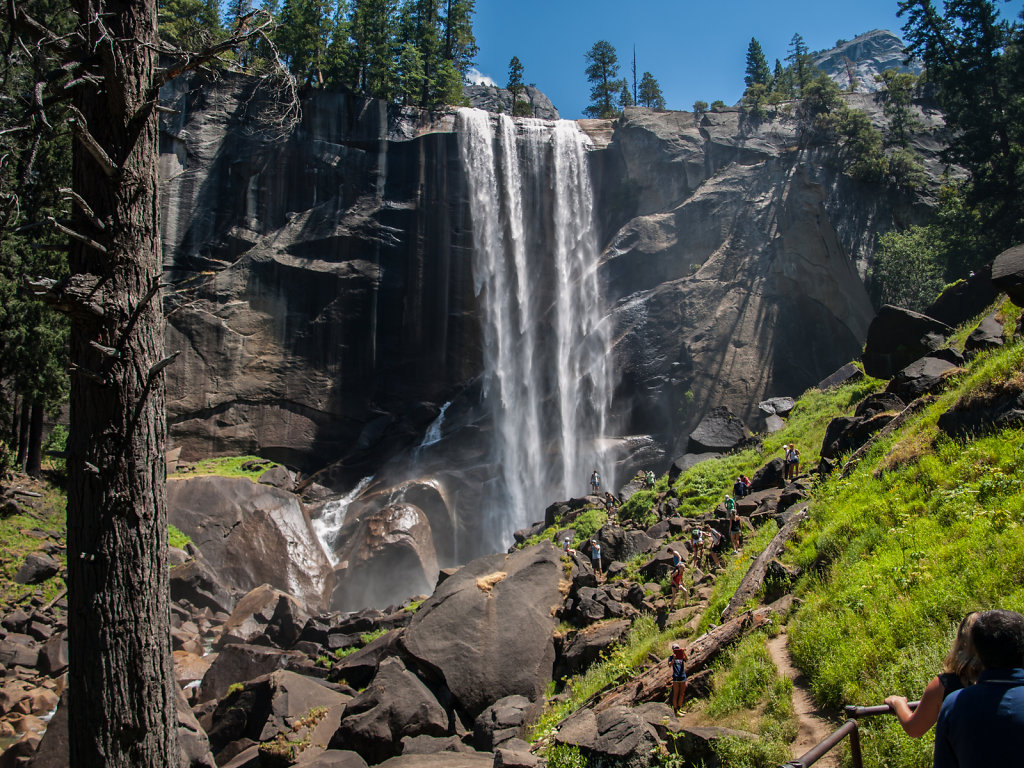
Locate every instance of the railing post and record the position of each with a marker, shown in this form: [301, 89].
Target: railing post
[855, 746]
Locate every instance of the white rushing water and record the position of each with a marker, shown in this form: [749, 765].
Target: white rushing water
[328, 525]
[547, 366]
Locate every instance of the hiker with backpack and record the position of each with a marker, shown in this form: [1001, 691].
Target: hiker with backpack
[678, 664]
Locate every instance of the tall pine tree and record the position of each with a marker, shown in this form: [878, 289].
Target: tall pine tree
[757, 65]
[602, 72]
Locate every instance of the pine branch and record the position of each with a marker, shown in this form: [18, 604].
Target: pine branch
[77, 236]
[79, 127]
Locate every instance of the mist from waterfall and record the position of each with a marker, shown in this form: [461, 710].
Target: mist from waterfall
[546, 350]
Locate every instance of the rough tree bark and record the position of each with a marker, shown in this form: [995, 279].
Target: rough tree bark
[123, 708]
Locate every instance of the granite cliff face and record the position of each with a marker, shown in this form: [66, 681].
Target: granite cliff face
[736, 258]
[864, 57]
[325, 306]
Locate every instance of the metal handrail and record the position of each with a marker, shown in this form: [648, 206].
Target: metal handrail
[849, 728]
[880, 709]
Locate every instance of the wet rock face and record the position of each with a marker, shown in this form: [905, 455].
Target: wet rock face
[323, 275]
[252, 534]
[385, 553]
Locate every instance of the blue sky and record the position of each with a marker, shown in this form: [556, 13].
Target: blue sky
[695, 48]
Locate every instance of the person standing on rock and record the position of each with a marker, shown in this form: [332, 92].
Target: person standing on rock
[712, 540]
[677, 585]
[595, 482]
[595, 556]
[739, 490]
[696, 545]
[734, 523]
[678, 664]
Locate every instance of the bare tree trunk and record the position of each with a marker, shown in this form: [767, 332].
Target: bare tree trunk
[122, 697]
[23, 422]
[34, 454]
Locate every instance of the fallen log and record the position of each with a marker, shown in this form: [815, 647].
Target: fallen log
[654, 683]
[754, 577]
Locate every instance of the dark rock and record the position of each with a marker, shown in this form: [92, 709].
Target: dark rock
[845, 434]
[778, 580]
[988, 335]
[237, 663]
[696, 744]
[53, 656]
[586, 646]
[358, 669]
[619, 544]
[495, 607]
[15, 621]
[442, 760]
[17, 650]
[964, 299]
[192, 739]
[688, 461]
[432, 745]
[1008, 273]
[196, 582]
[503, 720]
[985, 414]
[848, 373]
[229, 519]
[515, 758]
[334, 758]
[949, 354]
[615, 736]
[777, 406]
[265, 611]
[395, 705]
[880, 403]
[36, 569]
[773, 424]
[720, 430]
[279, 477]
[525, 533]
[768, 476]
[267, 706]
[897, 337]
[565, 512]
[921, 377]
[389, 551]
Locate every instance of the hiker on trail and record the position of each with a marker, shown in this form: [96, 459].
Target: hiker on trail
[609, 502]
[649, 478]
[677, 585]
[792, 466]
[595, 556]
[746, 484]
[959, 670]
[696, 544]
[734, 523]
[678, 664]
[567, 545]
[982, 726]
[713, 541]
[595, 482]
[739, 490]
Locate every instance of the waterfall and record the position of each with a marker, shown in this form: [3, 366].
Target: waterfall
[546, 347]
[328, 525]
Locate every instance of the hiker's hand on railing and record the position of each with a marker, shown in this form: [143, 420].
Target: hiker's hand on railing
[852, 710]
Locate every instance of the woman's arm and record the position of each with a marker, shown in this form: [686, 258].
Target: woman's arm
[917, 723]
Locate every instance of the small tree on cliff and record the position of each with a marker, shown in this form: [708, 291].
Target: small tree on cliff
[520, 107]
[650, 93]
[602, 72]
[757, 65]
